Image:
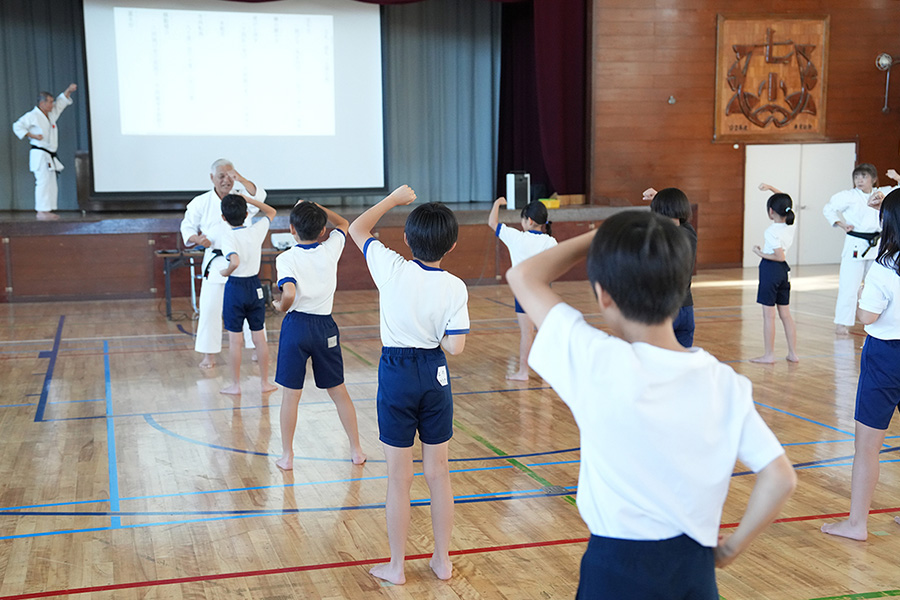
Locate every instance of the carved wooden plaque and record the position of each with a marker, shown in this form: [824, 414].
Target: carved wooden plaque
[770, 78]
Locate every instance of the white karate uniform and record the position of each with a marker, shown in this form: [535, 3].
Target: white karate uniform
[204, 215]
[42, 164]
[851, 206]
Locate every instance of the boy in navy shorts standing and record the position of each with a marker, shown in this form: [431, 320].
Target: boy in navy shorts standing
[242, 247]
[661, 425]
[422, 309]
[307, 276]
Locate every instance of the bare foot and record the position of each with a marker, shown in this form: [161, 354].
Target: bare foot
[518, 376]
[285, 463]
[845, 529]
[232, 390]
[208, 362]
[46, 216]
[268, 387]
[442, 567]
[842, 330]
[766, 359]
[793, 358]
[357, 456]
[389, 572]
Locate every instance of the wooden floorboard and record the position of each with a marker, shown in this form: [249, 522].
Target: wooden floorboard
[125, 474]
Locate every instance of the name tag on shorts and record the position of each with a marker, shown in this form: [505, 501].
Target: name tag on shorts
[259, 293]
[332, 341]
[442, 375]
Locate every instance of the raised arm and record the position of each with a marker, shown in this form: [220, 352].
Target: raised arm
[530, 279]
[494, 216]
[648, 195]
[765, 187]
[248, 185]
[68, 93]
[892, 174]
[361, 228]
[335, 219]
[264, 208]
[774, 485]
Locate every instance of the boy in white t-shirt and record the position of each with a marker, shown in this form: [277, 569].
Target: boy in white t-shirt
[307, 276]
[661, 425]
[244, 298]
[422, 309]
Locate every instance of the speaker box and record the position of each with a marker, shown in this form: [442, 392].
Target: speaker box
[518, 190]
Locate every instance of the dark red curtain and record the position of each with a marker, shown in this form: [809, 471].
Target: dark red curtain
[543, 87]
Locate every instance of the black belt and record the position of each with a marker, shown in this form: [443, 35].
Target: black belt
[216, 252]
[871, 238]
[53, 154]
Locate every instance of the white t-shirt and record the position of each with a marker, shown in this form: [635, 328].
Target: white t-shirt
[660, 429]
[312, 268]
[881, 294]
[778, 235]
[523, 244]
[247, 243]
[418, 304]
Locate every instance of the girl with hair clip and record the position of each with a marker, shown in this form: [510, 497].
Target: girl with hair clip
[878, 390]
[774, 291]
[534, 238]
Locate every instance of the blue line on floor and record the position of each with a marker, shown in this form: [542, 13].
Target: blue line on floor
[45, 390]
[115, 522]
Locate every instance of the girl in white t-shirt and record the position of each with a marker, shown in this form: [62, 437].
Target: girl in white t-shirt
[534, 238]
[774, 291]
[878, 390]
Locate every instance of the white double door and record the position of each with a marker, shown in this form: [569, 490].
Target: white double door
[811, 174]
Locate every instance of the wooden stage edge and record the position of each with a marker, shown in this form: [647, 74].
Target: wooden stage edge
[99, 256]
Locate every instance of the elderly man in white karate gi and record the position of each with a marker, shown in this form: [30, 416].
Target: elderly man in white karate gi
[203, 226]
[39, 126]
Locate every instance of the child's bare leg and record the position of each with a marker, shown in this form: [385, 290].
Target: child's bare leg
[437, 474]
[768, 336]
[347, 414]
[862, 483]
[526, 339]
[290, 400]
[208, 362]
[400, 477]
[262, 352]
[790, 331]
[234, 361]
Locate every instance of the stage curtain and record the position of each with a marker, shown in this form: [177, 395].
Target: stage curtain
[40, 50]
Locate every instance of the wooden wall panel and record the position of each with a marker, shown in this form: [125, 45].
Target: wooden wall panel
[646, 50]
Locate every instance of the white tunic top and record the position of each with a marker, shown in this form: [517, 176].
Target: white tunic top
[660, 429]
[418, 304]
[37, 123]
[312, 268]
[881, 294]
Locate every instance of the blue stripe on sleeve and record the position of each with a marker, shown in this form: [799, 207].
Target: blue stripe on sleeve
[366, 245]
[497, 232]
[285, 280]
[456, 332]
[341, 231]
[228, 256]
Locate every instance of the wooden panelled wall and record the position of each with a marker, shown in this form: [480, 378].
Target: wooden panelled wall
[647, 50]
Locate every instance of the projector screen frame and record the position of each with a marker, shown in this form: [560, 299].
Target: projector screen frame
[89, 199]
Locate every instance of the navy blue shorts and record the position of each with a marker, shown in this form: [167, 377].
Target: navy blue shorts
[612, 569]
[774, 285]
[244, 299]
[414, 395]
[878, 390]
[304, 336]
[684, 326]
[519, 308]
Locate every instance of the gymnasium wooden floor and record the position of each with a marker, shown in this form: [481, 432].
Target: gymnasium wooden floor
[125, 474]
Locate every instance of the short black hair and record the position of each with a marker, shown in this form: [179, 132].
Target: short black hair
[672, 203]
[234, 209]
[308, 220]
[537, 212]
[431, 230]
[44, 96]
[644, 262]
[890, 232]
[867, 169]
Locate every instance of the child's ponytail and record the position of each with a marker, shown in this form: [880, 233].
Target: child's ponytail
[783, 206]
